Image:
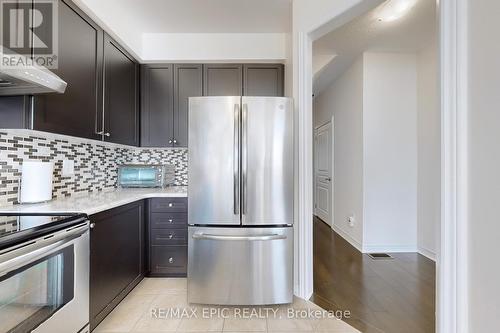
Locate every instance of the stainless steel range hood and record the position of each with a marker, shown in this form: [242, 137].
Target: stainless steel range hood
[24, 79]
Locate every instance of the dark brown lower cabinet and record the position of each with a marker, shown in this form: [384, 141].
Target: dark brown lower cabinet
[168, 237]
[117, 257]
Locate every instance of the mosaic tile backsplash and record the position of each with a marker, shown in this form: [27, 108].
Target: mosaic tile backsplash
[96, 163]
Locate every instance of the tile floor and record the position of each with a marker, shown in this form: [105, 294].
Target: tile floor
[146, 309]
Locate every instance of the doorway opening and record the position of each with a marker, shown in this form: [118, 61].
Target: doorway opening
[378, 77]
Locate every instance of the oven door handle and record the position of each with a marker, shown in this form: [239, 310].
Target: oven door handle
[18, 258]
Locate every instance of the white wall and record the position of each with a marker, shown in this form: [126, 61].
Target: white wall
[483, 88]
[429, 150]
[214, 47]
[344, 99]
[374, 104]
[390, 152]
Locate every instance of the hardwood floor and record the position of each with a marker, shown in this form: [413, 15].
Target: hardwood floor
[390, 296]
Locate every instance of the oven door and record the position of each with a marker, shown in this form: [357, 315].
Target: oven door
[44, 285]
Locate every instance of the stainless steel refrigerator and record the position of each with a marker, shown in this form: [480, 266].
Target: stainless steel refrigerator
[240, 193]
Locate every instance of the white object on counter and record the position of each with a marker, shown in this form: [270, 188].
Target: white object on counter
[36, 182]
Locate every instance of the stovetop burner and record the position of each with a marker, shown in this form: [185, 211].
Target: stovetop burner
[20, 227]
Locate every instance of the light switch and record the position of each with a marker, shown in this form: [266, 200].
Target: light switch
[68, 168]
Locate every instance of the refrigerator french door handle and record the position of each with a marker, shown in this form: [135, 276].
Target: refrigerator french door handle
[238, 238]
[244, 157]
[236, 163]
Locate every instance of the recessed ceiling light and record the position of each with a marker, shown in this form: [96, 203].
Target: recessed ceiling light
[393, 10]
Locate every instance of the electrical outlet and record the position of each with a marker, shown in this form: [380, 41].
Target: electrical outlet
[351, 221]
[68, 168]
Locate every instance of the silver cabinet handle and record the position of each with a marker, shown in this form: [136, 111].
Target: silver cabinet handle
[170, 141]
[238, 238]
[244, 157]
[165, 238]
[170, 260]
[170, 221]
[175, 141]
[92, 225]
[170, 204]
[328, 179]
[236, 162]
[102, 133]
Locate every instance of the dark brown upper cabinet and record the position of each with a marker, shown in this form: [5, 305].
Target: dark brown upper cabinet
[121, 96]
[80, 64]
[14, 112]
[188, 82]
[157, 105]
[165, 96]
[222, 79]
[166, 88]
[101, 99]
[263, 80]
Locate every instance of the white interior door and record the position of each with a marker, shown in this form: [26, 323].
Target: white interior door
[323, 172]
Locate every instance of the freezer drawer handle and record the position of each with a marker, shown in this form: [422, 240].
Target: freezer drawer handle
[239, 238]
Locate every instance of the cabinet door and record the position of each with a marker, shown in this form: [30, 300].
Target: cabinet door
[157, 116]
[14, 112]
[188, 82]
[80, 65]
[117, 264]
[222, 80]
[263, 80]
[121, 116]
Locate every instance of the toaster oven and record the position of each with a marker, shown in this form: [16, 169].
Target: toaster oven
[137, 175]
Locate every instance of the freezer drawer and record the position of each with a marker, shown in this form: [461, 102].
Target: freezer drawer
[240, 266]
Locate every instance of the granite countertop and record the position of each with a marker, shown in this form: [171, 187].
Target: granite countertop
[91, 203]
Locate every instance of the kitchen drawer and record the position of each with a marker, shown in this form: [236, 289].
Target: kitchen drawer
[169, 236]
[169, 205]
[168, 220]
[169, 260]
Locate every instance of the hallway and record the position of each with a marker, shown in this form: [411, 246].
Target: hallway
[390, 296]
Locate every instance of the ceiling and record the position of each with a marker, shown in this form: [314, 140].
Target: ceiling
[411, 33]
[199, 16]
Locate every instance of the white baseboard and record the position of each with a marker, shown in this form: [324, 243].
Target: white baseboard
[427, 253]
[347, 237]
[383, 248]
